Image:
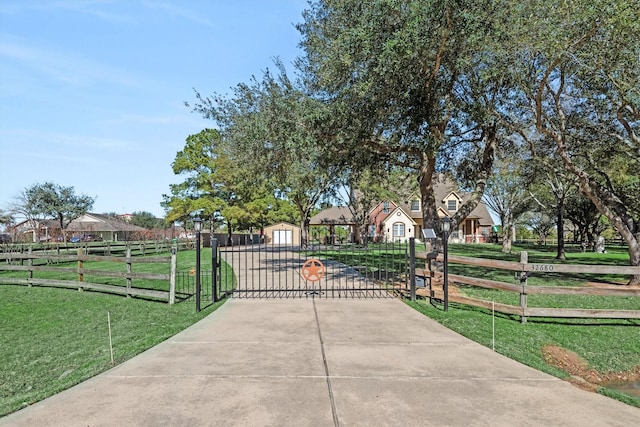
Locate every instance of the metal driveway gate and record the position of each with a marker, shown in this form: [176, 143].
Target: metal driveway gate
[284, 271]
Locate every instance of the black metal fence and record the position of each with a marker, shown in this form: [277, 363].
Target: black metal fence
[186, 285]
[320, 271]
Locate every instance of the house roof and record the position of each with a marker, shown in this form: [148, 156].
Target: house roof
[281, 224]
[90, 222]
[443, 188]
[336, 215]
[99, 222]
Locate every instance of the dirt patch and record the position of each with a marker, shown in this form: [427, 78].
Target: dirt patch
[581, 375]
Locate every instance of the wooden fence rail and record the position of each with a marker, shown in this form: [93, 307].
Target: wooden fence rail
[81, 283]
[106, 248]
[434, 287]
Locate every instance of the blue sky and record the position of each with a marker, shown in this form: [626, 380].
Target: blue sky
[92, 92]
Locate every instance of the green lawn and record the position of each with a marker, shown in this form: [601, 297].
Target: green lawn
[606, 345]
[52, 339]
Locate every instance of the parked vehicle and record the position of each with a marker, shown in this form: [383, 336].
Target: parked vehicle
[91, 238]
[85, 238]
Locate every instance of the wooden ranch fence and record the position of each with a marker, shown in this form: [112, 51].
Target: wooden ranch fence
[434, 286]
[107, 248]
[9, 261]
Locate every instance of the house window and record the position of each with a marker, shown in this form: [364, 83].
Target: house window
[415, 205]
[452, 205]
[398, 229]
[386, 207]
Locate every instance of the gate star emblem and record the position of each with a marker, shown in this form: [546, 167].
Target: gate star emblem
[313, 270]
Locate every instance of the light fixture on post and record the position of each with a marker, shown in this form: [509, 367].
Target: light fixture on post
[446, 227]
[197, 225]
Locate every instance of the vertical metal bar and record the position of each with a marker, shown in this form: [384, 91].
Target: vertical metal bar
[386, 260]
[241, 273]
[172, 277]
[446, 272]
[377, 273]
[239, 276]
[274, 263]
[405, 267]
[357, 259]
[307, 291]
[214, 270]
[283, 283]
[276, 270]
[198, 271]
[250, 281]
[412, 267]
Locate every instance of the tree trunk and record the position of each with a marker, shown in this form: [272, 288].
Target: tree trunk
[560, 226]
[634, 259]
[606, 202]
[304, 231]
[362, 234]
[429, 211]
[507, 235]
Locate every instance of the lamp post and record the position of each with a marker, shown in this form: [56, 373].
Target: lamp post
[446, 227]
[197, 224]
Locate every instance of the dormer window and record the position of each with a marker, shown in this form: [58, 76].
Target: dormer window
[452, 205]
[415, 205]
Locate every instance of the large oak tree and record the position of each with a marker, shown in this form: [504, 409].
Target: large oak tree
[274, 131]
[415, 83]
[579, 73]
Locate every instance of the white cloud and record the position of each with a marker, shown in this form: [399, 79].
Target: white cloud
[174, 10]
[87, 7]
[40, 142]
[185, 118]
[64, 67]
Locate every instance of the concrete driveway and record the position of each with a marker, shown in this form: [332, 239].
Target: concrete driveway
[322, 363]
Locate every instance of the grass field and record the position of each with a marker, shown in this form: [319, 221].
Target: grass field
[52, 339]
[609, 348]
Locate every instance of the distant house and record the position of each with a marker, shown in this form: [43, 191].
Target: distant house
[89, 225]
[389, 221]
[335, 216]
[393, 222]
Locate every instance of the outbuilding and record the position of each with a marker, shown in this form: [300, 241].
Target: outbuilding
[282, 233]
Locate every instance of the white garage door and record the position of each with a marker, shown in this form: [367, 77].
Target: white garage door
[282, 237]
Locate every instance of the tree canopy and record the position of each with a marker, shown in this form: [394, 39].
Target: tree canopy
[417, 84]
[578, 75]
[50, 200]
[272, 128]
[437, 85]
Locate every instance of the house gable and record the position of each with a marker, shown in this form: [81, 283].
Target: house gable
[442, 213]
[452, 202]
[398, 225]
